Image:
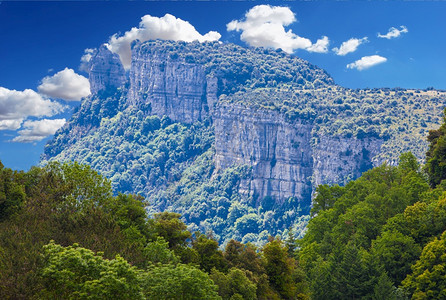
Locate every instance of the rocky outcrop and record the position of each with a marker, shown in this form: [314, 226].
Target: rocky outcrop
[274, 112]
[285, 159]
[278, 151]
[106, 71]
[170, 85]
[339, 159]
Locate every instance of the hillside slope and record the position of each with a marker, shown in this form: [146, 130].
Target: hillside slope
[235, 139]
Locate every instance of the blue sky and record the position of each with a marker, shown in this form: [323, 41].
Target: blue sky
[41, 45]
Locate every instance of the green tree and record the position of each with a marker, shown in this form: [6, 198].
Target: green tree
[12, 192]
[77, 273]
[61, 205]
[436, 155]
[427, 280]
[234, 284]
[158, 252]
[244, 256]
[279, 268]
[209, 254]
[351, 275]
[396, 252]
[325, 198]
[169, 226]
[178, 282]
[291, 242]
[384, 289]
[322, 280]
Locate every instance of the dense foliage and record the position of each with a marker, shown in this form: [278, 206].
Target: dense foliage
[379, 237]
[64, 235]
[436, 155]
[172, 165]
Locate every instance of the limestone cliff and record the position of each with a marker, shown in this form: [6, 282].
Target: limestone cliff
[169, 85]
[285, 159]
[216, 131]
[337, 160]
[106, 71]
[278, 151]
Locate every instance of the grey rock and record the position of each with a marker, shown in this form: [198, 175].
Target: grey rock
[284, 161]
[171, 87]
[337, 160]
[106, 71]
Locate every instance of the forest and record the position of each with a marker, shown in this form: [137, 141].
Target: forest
[65, 235]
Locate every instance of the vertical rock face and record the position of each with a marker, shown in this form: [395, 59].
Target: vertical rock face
[284, 161]
[278, 151]
[106, 71]
[339, 160]
[171, 86]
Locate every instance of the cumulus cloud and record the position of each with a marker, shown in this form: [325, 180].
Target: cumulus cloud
[38, 130]
[10, 124]
[394, 32]
[367, 62]
[85, 59]
[321, 46]
[66, 85]
[264, 26]
[15, 106]
[349, 46]
[166, 28]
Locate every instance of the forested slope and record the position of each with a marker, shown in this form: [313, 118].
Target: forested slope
[235, 139]
[382, 236]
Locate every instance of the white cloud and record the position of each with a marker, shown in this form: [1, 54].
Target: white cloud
[15, 106]
[367, 62]
[349, 46]
[264, 26]
[38, 130]
[166, 28]
[13, 124]
[66, 85]
[321, 46]
[85, 59]
[393, 32]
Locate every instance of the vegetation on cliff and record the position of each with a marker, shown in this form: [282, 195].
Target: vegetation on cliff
[63, 234]
[172, 164]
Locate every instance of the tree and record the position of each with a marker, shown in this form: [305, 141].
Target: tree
[384, 289]
[178, 282]
[233, 284]
[351, 274]
[408, 162]
[436, 155]
[243, 256]
[325, 198]
[396, 252]
[322, 280]
[427, 280]
[291, 242]
[169, 226]
[77, 273]
[70, 204]
[12, 192]
[159, 252]
[209, 254]
[279, 268]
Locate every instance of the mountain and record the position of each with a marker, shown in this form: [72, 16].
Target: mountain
[235, 139]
